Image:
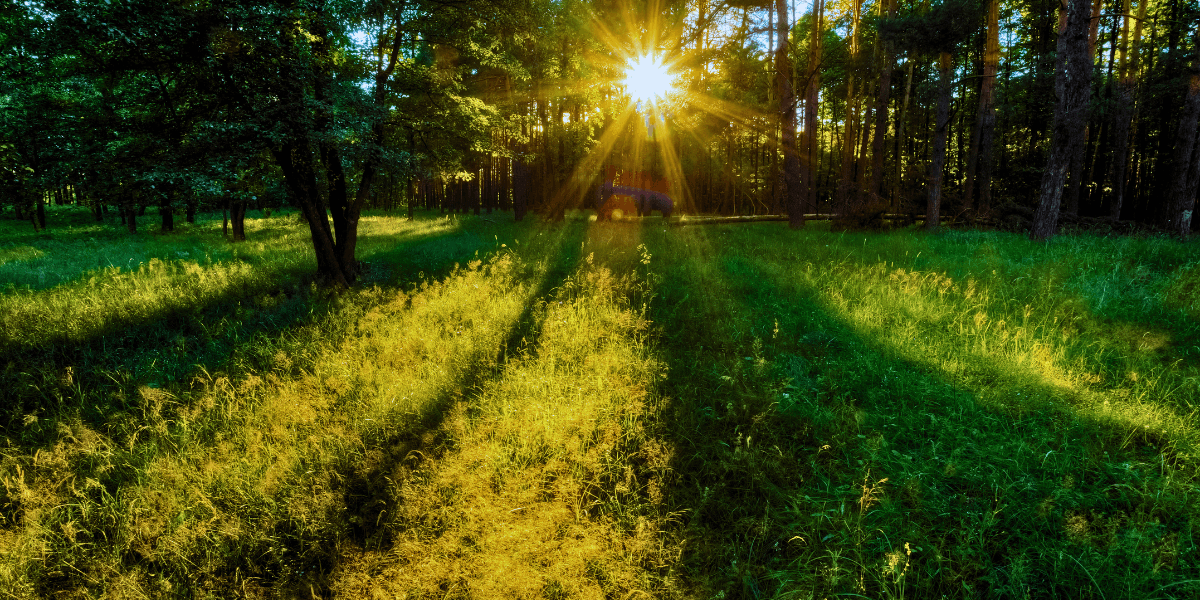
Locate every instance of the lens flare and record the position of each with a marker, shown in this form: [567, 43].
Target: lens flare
[646, 78]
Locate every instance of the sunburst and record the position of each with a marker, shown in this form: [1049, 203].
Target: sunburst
[648, 78]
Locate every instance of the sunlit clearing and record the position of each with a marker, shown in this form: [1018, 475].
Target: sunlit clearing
[647, 79]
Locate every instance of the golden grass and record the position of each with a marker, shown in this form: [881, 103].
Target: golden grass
[537, 496]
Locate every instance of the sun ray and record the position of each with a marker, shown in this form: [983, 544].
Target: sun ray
[584, 172]
[648, 78]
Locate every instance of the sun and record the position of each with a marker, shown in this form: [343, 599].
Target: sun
[646, 78]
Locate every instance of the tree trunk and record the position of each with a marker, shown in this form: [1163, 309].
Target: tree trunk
[296, 161]
[237, 219]
[1169, 69]
[521, 186]
[342, 212]
[793, 186]
[846, 169]
[881, 120]
[489, 187]
[1075, 172]
[846, 184]
[938, 157]
[900, 121]
[979, 163]
[39, 208]
[167, 213]
[190, 208]
[1072, 84]
[130, 214]
[1126, 83]
[1187, 156]
[811, 104]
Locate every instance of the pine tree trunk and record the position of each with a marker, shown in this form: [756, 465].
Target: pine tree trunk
[1187, 155]
[938, 157]
[1126, 84]
[979, 163]
[1163, 176]
[1075, 172]
[881, 120]
[521, 185]
[793, 186]
[1072, 85]
[900, 121]
[811, 104]
[846, 170]
[846, 184]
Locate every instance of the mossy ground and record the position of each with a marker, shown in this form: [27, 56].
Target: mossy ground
[597, 410]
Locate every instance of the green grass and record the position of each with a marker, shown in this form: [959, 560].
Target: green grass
[597, 410]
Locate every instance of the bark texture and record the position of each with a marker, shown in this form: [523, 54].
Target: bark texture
[846, 184]
[1187, 155]
[938, 158]
[881, 121]
[793, 189]
[1072, 85]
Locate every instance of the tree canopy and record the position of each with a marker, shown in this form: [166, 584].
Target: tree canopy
[333, 106]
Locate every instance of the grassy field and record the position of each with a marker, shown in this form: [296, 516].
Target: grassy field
[597, 410]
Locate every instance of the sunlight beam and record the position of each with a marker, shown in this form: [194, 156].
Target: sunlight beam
[646, 78]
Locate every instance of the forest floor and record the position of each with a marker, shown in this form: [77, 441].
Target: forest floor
[597, 410]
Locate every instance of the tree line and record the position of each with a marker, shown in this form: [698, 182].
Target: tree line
[1025, 114]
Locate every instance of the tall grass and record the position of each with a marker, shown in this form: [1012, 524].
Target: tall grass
[935, 415]
[602, 410]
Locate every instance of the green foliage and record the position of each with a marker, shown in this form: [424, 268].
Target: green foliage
[941, 27]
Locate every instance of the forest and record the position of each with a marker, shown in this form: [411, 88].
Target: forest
[1018, 115]
[614, 299]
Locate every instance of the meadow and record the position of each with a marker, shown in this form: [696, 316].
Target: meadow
[597, 410]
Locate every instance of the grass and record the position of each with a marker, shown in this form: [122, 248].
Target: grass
[597, 410]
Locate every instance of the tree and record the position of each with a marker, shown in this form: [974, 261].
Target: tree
[792, 184]
[846, 184]
[886, 65]
[937, 158]
[1127, 81]
[1072, 84]
[940, 30]
[811, 103]
[292, 74]
[979, 163]
[1187, 153]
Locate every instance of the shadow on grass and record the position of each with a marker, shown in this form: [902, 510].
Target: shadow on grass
[291, 556]
[97, 377]
[369, 484]
[812, 461]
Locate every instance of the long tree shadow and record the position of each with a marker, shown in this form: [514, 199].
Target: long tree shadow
[97, 376]
[810, 460]
[369, 486]
[290, 548]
